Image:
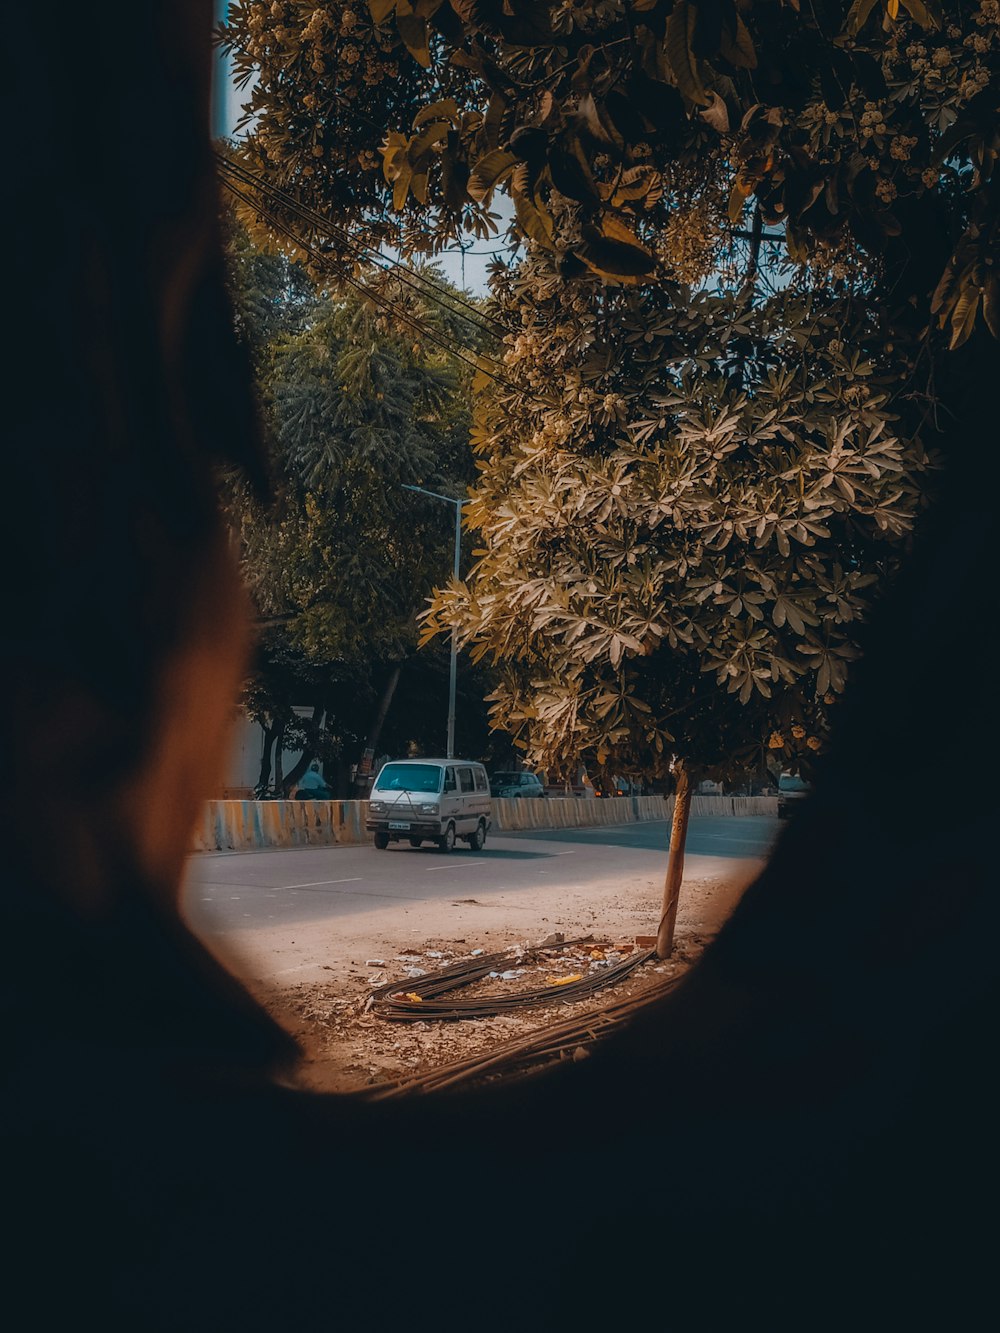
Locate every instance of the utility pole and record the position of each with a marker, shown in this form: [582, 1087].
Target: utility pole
[453, 665]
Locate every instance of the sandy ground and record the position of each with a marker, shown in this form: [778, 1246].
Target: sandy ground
[316, 977]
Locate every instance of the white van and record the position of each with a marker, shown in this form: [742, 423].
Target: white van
[437, 800]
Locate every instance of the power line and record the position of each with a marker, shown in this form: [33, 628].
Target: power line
[325, 261]
[411, 278]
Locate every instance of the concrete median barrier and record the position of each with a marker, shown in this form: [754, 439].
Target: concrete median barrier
[239, 826]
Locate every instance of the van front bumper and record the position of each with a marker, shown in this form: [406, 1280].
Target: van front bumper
[404, 828]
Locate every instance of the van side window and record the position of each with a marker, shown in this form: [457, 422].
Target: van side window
[480, 776]
[465, 778]
[449, 779]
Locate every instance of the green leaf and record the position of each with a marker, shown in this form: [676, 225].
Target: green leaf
[738, 197]
[421, 144]
[716, 114]
[401, 187]
[738, 48]
[489, 171]
[919, 11]
[615, 258]
[963, 317]
[683, 63]
[412, 29]
[858, 15]
[535, 222]
[946, 288]
[991, 304]
[418, 186]
[446, 109]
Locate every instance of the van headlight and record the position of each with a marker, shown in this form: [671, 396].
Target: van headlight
[429, 808]
[376, 806]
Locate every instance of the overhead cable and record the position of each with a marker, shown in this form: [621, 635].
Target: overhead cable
[423, 285]
[323, 260]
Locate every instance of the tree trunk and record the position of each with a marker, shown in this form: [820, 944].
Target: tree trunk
[266, 761]
[306, 757]
[279, 750]
[380, 716]
[675, 862]
[343, 789]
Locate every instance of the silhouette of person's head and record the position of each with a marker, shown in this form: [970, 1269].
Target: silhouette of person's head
[126, 625]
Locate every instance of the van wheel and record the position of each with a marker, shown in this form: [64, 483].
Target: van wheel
[477, 840]
[381, 841]
[447, 842]
[415, 842]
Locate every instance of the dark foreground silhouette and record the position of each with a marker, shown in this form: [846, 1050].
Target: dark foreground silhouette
[803, 1136]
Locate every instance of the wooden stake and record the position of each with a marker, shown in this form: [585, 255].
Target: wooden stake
[675, 861]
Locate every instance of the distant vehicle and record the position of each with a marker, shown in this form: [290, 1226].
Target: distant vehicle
[616, 786]
[516, 785]
[430, 800]
[791, 790]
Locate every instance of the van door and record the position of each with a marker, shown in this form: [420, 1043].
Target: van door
[449, 798]
[466, 796]
[481, 804]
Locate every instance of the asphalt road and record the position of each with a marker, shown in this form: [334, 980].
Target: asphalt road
[238, 891]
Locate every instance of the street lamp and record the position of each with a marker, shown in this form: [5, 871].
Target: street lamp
[453, 670]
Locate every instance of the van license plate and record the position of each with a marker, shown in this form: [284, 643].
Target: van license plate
[394, 823]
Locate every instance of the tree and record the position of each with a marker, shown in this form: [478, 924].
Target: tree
[354, 409]
[647, 145]
[679, 544]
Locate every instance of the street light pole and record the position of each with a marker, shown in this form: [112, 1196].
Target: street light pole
[453, 665]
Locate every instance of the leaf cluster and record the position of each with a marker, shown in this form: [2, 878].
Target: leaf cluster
[679, 544]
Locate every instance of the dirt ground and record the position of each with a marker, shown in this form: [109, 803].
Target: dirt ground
[349, 1048]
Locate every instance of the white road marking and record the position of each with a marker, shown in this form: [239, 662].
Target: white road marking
[461, 866]
[318, 883]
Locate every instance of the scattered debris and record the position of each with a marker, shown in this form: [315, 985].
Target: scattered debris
[603, 965]
[374, 962]
[570, 1039]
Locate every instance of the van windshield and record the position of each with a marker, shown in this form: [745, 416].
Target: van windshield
[791, 782]
[409, 777]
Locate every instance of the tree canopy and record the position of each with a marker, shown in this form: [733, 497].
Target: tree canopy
[354, 411]
[663, 122]
[698, 516]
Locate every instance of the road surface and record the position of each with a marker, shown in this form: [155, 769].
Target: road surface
[291, 913]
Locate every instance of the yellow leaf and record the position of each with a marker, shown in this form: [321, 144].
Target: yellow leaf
[411, 995]
[563, 981]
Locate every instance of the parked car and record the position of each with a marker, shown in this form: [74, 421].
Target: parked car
[516, 785]
[435, 800]
[791, 790]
